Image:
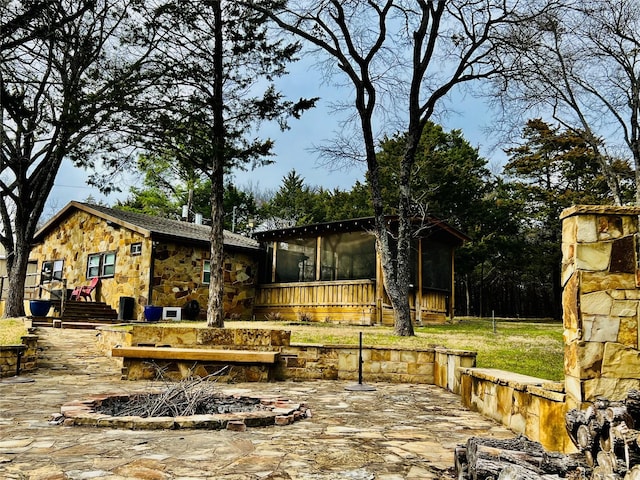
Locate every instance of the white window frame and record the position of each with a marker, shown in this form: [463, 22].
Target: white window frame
[206, 272]
[136, 249]
[102, 265]
[55, 273]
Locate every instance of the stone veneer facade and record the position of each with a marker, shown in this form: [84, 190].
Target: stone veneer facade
[177, 279]
[28, 352]
[600, 302]
[164, 273]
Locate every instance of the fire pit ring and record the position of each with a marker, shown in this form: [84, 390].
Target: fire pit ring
[272, 410]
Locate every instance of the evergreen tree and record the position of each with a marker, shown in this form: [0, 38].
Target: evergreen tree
[217, 64]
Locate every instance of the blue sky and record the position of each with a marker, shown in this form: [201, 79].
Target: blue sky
[293, 148]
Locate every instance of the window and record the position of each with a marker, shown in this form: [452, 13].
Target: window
[436, 265]
[348, 256]
[296, 260]
[206, 272]
[101, 265]
[136, 249]
[51, 270]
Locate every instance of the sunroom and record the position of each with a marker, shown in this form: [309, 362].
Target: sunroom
[331, 272]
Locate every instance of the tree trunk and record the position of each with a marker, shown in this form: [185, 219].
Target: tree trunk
[17, 272]
[215, 307]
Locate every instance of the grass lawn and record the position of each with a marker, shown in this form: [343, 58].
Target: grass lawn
[529, 348]
[11, 331]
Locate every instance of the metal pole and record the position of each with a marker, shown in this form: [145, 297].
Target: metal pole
[360, 386]
[360, 362]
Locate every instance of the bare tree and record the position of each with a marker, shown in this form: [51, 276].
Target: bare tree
[580, 64]
[63, 78]
[403, 57]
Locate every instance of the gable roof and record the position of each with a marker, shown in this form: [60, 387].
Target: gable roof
[149, 226]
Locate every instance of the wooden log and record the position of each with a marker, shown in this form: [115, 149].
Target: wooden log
[573, 419]
[632, 402]
[461, 463]
[517, 472]
[585, 438]
[618, 413]
[600, 474]
[607, 462]
[489, 456]
[633, 474]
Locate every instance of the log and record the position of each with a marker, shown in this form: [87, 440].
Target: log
[489, 456]
[573, 419]
[632, 402]
[461, 464]
[607, 462]
[517, 472]
[618, 413]
[585, 438]
[633, 474]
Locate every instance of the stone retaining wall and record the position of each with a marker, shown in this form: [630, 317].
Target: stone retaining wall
[28, 351]
[531, 406]
[433, 365]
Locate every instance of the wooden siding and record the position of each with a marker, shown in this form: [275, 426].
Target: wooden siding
[351, 301]
[339, 301]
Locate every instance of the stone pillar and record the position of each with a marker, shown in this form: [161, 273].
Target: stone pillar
[600, 302]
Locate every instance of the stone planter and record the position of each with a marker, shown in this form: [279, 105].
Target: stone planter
[152, 313]
[39, 308]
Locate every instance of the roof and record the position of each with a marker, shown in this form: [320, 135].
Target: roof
[429, 226]
[149, 226]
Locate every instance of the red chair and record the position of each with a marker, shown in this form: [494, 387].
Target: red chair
[85, 291]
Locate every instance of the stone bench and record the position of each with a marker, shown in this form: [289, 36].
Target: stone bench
[196, 354]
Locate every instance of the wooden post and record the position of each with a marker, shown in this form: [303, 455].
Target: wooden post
[379, 288]
[419, 292]
[318, 258]
[273, 262]
[452, 297]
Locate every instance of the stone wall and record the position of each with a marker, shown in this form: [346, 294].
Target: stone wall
[28, 353]
[177, 279]
[82, 234]
[531, 406]
[431, 365]
[600, 302]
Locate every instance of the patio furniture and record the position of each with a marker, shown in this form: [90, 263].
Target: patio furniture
[85, 291]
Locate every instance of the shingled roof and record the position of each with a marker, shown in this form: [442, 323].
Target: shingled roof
[149, 226]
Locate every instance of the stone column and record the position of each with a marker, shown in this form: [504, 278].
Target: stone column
[600, 302]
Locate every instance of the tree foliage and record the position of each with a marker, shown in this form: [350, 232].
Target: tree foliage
[579, 65]
[64, 78]
[414, 53]
[216, 64]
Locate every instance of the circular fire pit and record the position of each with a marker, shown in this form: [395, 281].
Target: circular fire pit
[231, 412]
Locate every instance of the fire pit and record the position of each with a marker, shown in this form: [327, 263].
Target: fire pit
[180, 407]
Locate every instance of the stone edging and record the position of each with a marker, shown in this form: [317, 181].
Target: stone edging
[276, 411]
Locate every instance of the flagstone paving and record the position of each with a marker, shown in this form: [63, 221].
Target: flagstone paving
[395, 432]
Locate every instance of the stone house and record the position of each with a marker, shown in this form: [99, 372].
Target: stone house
[150, 260]
[322, 272]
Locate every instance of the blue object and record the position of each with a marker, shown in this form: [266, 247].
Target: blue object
[152, 313]
[39, 308]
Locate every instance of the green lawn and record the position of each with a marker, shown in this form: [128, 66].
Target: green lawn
[529, 348]
[11, 331]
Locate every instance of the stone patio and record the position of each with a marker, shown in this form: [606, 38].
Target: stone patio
[398, 431]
